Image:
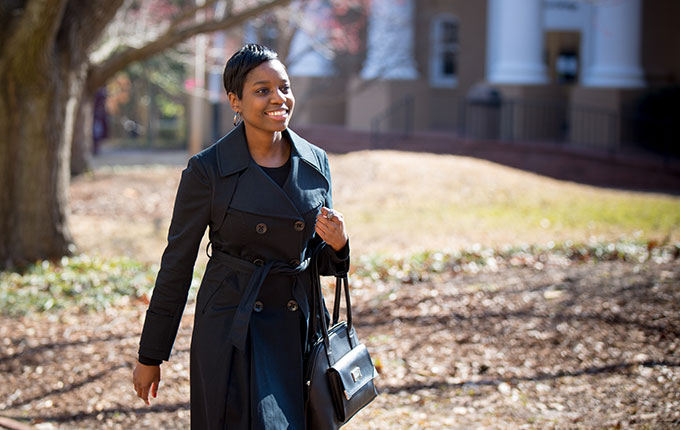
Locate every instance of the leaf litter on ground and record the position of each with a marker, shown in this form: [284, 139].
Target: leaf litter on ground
[567, 336]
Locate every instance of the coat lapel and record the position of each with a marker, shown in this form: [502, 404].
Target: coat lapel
[256, 192]
[307, 186]
[232, 152]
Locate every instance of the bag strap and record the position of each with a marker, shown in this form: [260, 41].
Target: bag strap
[318, 314]
[341, 281]
[336, 302]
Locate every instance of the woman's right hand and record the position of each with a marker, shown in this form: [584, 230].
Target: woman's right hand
[144, 378]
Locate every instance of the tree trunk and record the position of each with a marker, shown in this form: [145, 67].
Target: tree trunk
[44, 77]
[82, 144]
[37, 113]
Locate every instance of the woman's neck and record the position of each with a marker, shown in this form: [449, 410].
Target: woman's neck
[267, 149]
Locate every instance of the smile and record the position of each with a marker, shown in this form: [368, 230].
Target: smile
[278, 113]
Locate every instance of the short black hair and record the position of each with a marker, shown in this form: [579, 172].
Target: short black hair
[241, 63]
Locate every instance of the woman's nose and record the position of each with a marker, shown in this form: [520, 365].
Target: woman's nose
[278, 96]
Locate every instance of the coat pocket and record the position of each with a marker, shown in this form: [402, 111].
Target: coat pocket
[218, 291]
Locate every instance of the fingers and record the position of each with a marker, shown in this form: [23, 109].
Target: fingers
[145, 380]
[145, 395]
[326, 225]
[322, 231]
[330, 226]
[325, 211]
[140, 389]
[143, 391]
[330, 216]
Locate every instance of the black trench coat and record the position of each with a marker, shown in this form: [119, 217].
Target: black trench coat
[251, 326]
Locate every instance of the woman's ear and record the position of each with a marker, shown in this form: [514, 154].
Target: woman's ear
[234, 101]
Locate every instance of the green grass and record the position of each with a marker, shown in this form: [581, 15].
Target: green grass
[603, 215]
[80, 283]
[421, 266]
[596, 212]
[84, 284]
[404, 202]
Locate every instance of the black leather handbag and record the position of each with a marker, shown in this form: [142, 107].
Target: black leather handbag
[340, 373]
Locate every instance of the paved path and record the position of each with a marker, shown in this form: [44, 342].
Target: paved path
[625, 170]
[139, 157]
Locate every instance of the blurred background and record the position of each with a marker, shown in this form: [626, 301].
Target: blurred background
[601, 75]
[509, 171]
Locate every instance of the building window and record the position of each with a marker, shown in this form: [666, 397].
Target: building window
[566, 68]
[444, 54]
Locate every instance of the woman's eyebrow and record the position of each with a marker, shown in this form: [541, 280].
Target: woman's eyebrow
[285, 81]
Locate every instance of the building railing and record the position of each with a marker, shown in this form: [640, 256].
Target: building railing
[512, 120]
[549, 122]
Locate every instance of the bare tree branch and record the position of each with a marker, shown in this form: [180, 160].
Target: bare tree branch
[190, 13]
[82, 25]
[99, 74]
[92, 17]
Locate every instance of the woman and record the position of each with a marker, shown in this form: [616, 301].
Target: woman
[265, 194]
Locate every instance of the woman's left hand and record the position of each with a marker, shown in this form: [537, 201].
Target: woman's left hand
[330, 226]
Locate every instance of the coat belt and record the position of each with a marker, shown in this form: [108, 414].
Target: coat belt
[258, 273]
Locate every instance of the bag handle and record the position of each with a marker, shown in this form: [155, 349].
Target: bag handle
[336, 302]
[317, 302]
[315, 313]
[339, 282]
[318, 305]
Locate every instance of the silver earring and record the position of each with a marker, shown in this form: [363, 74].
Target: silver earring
[237, 118]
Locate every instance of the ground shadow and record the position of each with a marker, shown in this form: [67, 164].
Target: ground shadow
[59, 345]
[81, 416]
[69, 387]
[610, 368]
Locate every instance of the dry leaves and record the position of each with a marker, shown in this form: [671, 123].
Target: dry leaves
[577, 345]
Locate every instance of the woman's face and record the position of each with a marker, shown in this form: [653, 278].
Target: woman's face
[267, 101]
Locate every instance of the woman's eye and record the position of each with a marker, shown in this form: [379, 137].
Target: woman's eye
[284, 89]
[262, 91]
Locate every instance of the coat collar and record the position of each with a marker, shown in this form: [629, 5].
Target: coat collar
[233, 154]
[306, 188]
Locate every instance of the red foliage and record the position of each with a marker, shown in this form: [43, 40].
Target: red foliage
[348, 19]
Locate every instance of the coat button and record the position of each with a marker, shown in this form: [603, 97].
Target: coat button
[294, 262]
[261, 228]
[292, 306]
[258, 262]
[299, 225]
[258, 306]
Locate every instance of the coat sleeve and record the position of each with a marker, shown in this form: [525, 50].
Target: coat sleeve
[331, 262]
[190, 218]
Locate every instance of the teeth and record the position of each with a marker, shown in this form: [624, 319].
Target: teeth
[276, 113]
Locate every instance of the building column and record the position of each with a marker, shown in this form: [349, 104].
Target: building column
[615, 60]
[515, 43]
[390, 41]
